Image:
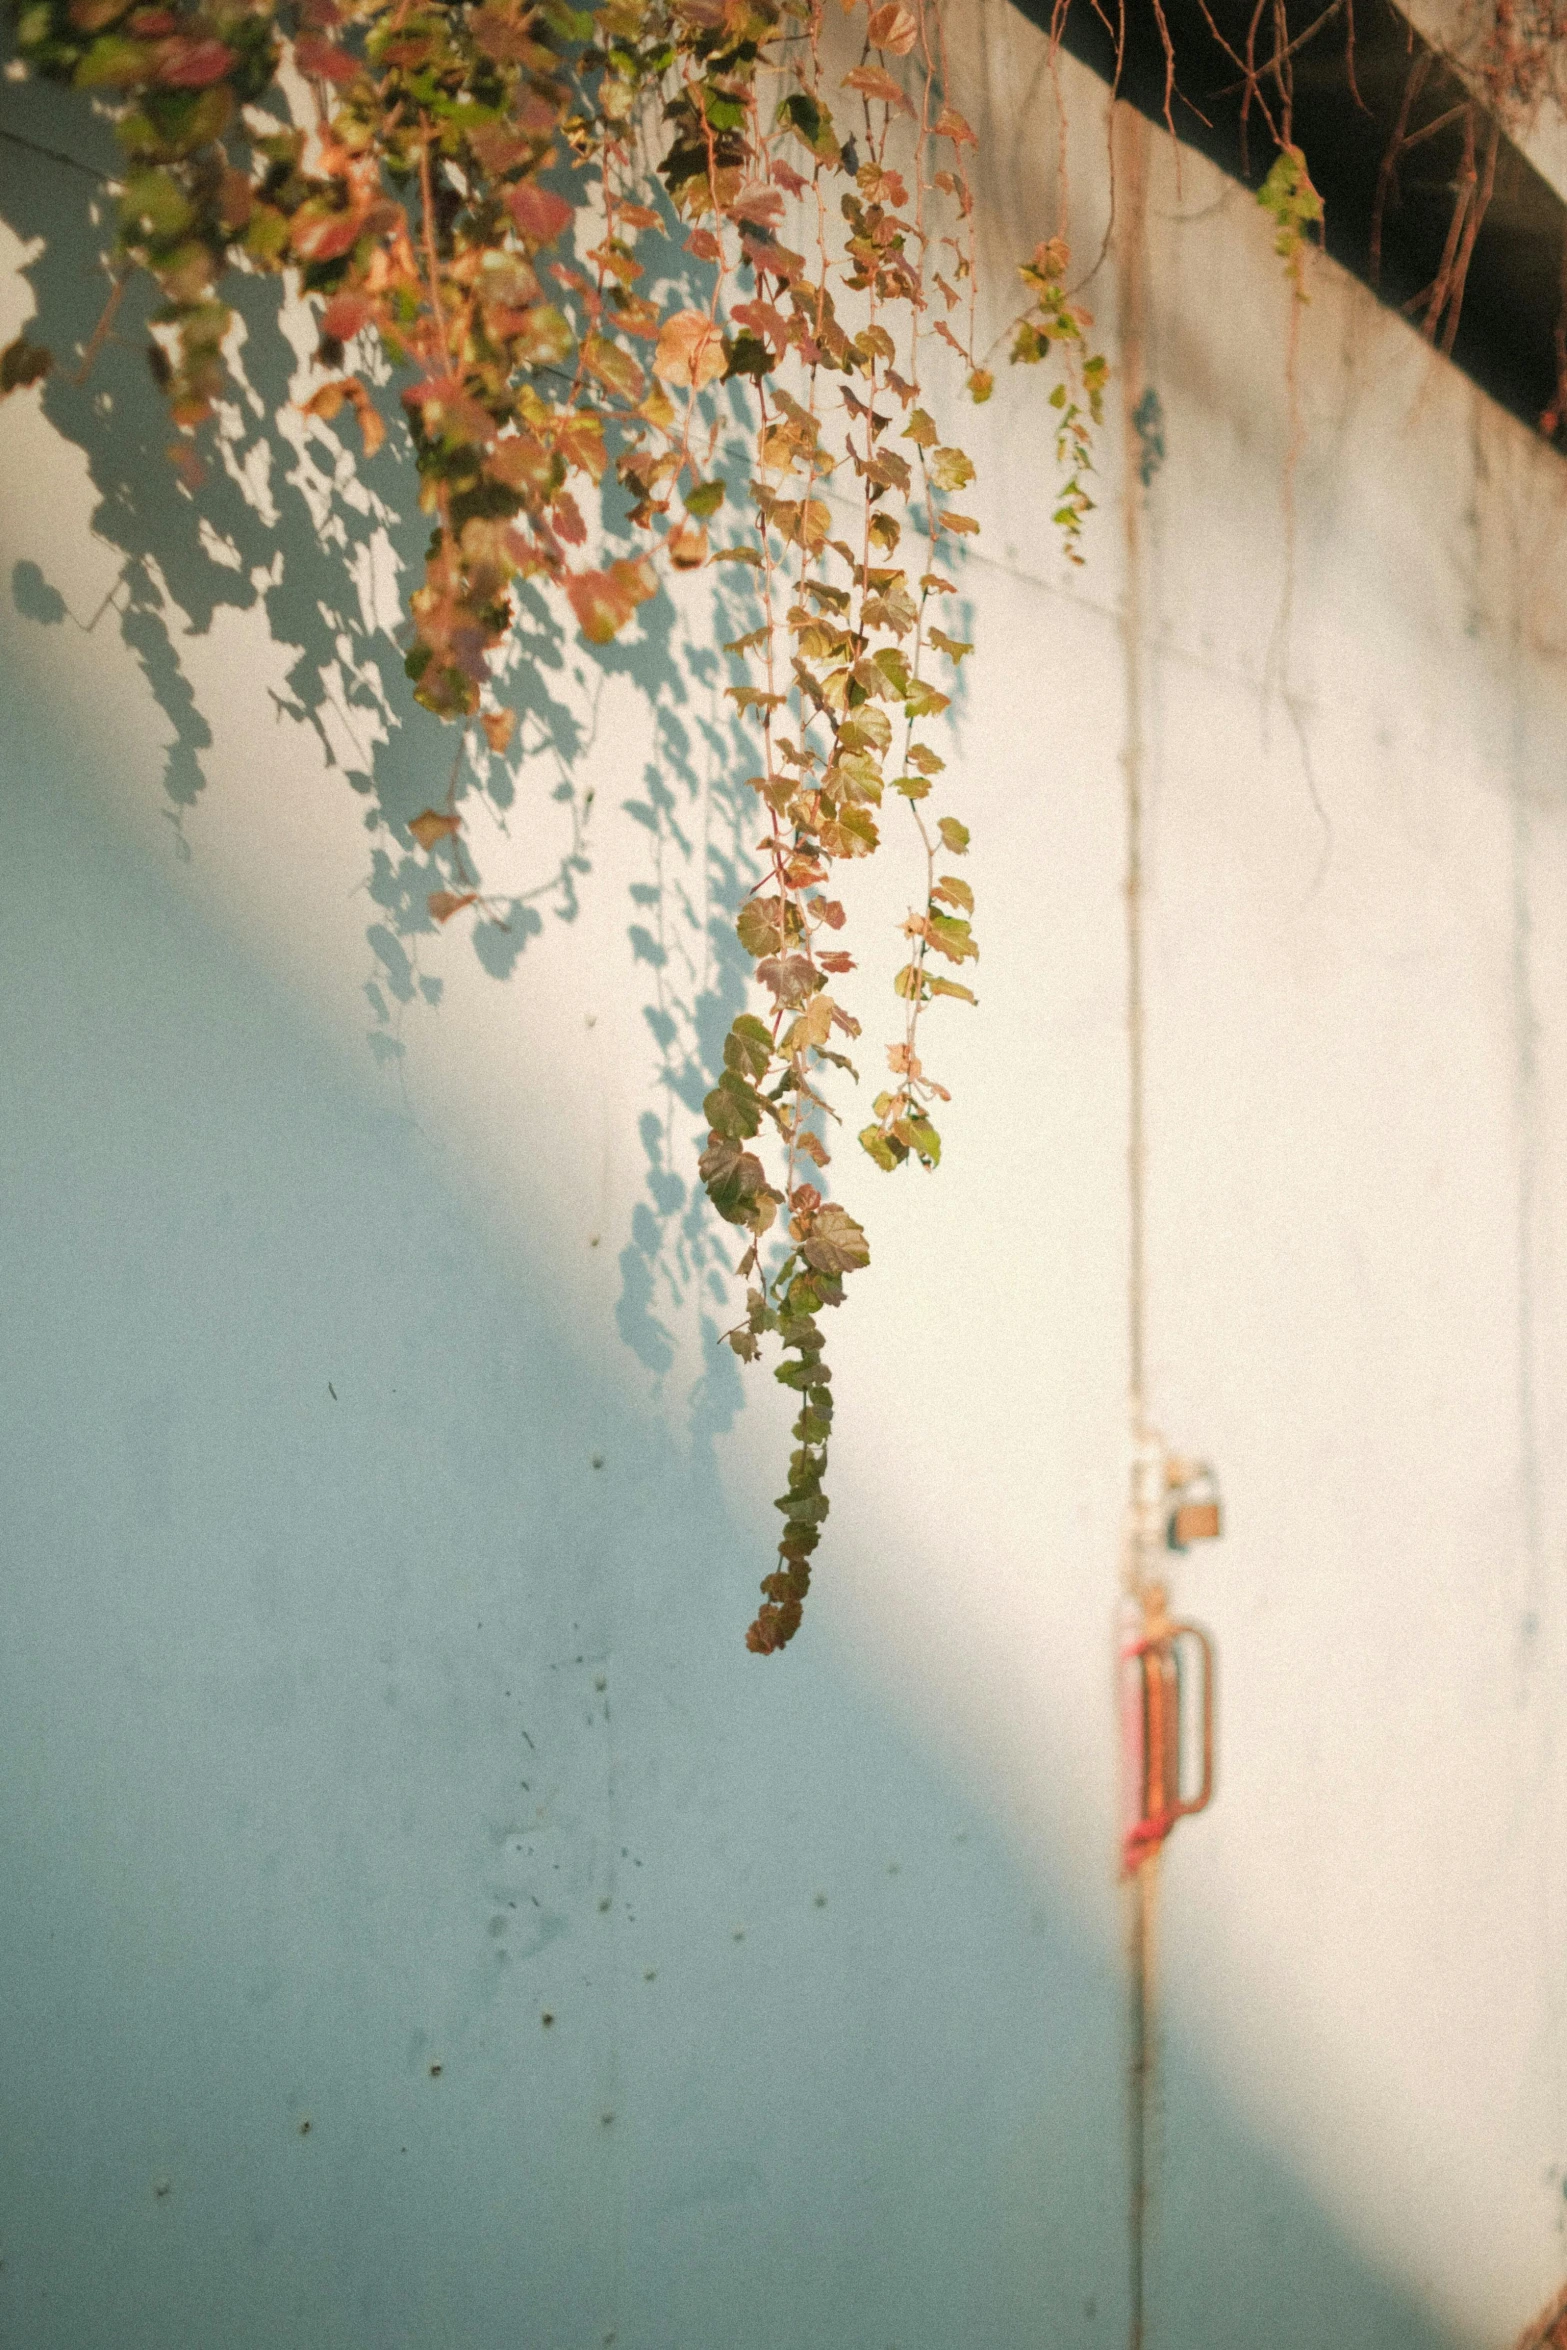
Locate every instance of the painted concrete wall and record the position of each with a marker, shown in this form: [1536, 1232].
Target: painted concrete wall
[380, 1750]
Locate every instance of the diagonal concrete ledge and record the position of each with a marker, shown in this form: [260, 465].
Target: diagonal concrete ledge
[1346, 117]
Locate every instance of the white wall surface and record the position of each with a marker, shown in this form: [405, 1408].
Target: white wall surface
[355, 1721]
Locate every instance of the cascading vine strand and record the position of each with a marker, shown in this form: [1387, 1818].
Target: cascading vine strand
[506, 199]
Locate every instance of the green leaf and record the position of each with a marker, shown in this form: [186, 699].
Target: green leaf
[917, 1134]
[869, 727]
[735, 1180]
[939, 986]
[851, 833]
[810, 121]
[951, 935]
[702, 499]
[950, 470]
[956, 892]
[748, 1048]
[733, 1108]
[924, 701]
[757, 925]
[886, 1153]
[954, 836]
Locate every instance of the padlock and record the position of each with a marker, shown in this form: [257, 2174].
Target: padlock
[1196, 1516]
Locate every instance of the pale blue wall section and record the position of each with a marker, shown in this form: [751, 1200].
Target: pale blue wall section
[349, 1737]
[344, 1737]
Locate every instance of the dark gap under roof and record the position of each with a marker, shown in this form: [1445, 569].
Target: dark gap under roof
[1510, 327]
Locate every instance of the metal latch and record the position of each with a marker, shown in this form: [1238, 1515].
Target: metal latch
[1161, 1662]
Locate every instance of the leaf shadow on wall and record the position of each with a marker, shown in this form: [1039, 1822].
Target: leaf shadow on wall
[289, 522]
[391, 1767]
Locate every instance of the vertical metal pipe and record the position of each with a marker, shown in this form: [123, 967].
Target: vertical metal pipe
[1129, 151]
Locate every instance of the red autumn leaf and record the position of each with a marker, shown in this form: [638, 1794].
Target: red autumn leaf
[322, 60]
[757, 202]
[540, 215]
[444, 903]
[498, 148]
[193, 65]
[432, 825]
[566, 518]
[344, 315]
[325, 236]
[766, 322]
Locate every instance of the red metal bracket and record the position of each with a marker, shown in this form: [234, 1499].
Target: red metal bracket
[1152, 1686]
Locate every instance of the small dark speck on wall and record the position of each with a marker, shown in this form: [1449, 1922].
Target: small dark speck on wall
[304, 2127]
[435, 2072]
[546, 2019]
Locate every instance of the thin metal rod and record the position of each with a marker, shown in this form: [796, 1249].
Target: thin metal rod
[1130, 153]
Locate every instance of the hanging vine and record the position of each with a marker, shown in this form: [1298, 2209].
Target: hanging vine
[489, 192]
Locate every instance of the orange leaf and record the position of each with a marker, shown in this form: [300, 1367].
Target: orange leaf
[330, 399]
[687, 544]
[444, 903]
[951, 125]
[690, 350]
[433, 825]
[873, 81]
[499, 727]
[187, 464]
[893, 28]
[604, 601]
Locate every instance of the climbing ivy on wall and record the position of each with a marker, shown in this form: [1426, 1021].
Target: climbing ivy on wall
[589, 245]
[505, 199]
